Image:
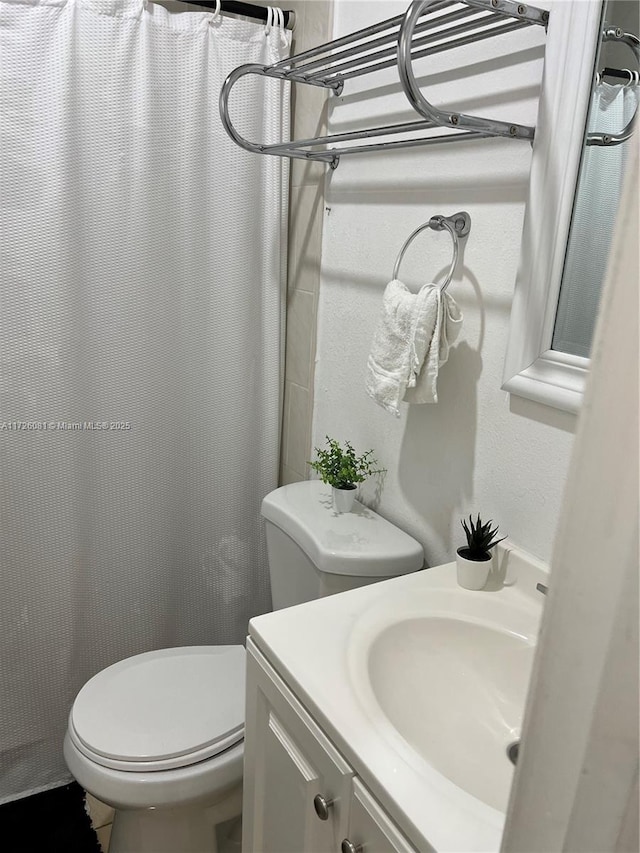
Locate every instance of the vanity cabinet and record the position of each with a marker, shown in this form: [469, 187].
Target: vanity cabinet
[371, 830]
[300, 794]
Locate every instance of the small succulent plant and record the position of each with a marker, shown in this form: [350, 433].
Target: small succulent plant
[342, 469]
[480, 539]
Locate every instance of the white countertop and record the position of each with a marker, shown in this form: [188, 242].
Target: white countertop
[312, 648]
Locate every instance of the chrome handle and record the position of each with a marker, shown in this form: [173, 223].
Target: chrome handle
[349, 847]
[322, 806]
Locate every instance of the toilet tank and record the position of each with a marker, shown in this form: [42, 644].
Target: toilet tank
[314, 551]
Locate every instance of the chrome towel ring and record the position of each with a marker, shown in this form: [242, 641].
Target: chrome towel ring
[457, 225]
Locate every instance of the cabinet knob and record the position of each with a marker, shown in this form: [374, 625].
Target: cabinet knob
[322, 806]
[349, 847]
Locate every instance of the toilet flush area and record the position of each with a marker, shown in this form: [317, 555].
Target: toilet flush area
[141, 336]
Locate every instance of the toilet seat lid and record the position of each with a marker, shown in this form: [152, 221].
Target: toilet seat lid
[162, 709]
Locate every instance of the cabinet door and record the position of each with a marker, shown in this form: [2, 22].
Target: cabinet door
[288, 763]
[371, 830]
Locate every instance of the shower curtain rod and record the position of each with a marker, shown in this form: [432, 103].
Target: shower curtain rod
[248, 10]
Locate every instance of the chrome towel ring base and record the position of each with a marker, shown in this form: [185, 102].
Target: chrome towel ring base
[458, 225]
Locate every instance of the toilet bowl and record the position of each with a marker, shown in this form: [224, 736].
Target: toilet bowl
[159, 736]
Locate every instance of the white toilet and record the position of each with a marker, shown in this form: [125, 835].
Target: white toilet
[159, 736]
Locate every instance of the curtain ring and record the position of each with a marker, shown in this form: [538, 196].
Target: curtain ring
[217, 12]
[280, 14]
[269, 23]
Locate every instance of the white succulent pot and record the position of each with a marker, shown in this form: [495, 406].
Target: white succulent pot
[472, 574]
[343, 498]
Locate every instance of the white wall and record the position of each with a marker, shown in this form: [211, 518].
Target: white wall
[477, 449]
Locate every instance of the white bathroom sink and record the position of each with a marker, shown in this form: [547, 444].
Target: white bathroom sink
[420, 685]
[445, 680]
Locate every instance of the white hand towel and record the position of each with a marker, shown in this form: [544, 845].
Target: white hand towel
[433, 350]
[412, 338]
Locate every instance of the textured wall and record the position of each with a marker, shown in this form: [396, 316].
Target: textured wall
[478, 449]
[305, 235]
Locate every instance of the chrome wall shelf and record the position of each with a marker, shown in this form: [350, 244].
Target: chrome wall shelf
[615, 34]
[428, 27]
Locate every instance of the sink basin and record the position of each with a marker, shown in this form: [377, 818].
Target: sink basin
[445, 680]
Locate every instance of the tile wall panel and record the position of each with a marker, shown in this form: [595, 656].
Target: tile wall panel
[306, 209]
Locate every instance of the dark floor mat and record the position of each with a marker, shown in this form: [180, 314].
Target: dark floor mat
[52, 822]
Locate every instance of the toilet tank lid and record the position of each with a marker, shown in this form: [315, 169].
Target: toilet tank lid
[357, 543]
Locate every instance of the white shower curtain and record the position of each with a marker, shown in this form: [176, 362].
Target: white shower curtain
[141, 267]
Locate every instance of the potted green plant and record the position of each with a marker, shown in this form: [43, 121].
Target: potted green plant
[473, 560]
[342, 469]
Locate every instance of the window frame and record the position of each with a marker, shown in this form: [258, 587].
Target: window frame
[532, 368]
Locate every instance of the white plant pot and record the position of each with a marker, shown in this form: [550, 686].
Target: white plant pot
[472, 574]
[343, 499]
